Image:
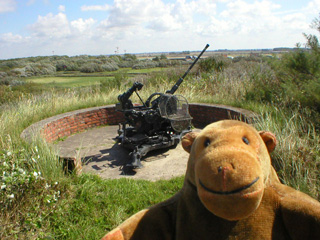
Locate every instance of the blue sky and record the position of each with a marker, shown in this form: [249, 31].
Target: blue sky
[75, 27]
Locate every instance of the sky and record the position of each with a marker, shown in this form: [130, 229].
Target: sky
[98, 27]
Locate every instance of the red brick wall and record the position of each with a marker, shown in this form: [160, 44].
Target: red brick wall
[66, 124]
[204, 114]
[79, 122]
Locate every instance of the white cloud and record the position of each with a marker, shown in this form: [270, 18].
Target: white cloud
[51, 26]
[154, 14]
[158, 25]
[164, 23]
[130, 13]
[7, 6]
[83, 26]
[257, 8]
[52, 33]
[62, 8]
[296, 21]
[11, 38]
[313, 7]
[241, 17]
[105, 7]
[207, 7]
[31, 2]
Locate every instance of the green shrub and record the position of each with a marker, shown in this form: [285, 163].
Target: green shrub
[9, 64]
[119, 79]
[127, 64]
[129, 57]
[3, 75]
[17, 89]
[212, 64]
[264, 86]
[36, 69]
[67, 65]
[90, 68]
[303, 94]
[109, 67]
[27, 196]
[144, 64]
[298, 62]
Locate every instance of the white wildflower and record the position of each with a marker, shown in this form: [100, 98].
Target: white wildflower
[5, 164]
[47, 186]
[11, 196]
[35, 174]
[3, 186]
[48, 201]
[56, 183]
[36, 148]
[9, 153]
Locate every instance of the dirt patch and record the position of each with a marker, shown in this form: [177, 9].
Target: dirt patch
[101, 155]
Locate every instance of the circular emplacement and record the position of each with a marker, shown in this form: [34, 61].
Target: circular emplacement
[101, 155]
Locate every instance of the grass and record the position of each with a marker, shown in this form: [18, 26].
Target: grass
[69, 82]
[297, 155]
[52, 205]
[77, 79]
[100, 205]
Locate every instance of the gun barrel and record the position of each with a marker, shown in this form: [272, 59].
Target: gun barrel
[176, 86]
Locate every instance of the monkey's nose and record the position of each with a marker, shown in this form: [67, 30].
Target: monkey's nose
[223, 168]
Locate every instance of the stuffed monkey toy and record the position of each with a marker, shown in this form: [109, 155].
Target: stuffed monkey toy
[231, 191]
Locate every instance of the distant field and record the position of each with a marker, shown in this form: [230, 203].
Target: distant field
[77, 79]
[67, 82]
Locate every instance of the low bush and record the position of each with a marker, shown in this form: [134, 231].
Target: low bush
[127, 64]
[109, 67]
[36, 69]
[64, 65]
[210, 64]
[90, 68]
[144, 64]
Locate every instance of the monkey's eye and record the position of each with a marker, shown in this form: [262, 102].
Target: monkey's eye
[245, 140]
[207, 142]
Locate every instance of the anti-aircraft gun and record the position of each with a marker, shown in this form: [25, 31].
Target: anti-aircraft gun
[158, 123]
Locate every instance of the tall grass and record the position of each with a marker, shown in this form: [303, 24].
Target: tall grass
[297, 155]
[31, 176]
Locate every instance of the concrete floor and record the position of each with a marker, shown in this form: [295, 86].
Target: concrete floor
[101, 155]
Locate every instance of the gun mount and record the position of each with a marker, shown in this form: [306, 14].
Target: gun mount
[156, 124]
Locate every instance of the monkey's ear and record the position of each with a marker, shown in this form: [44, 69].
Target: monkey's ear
[187, 140]
[269, 139]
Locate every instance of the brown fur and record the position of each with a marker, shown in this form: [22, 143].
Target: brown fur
[231, 191]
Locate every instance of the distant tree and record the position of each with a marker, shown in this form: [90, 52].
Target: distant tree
[301, 82]
[163, 57]
[129, 57]
[156, 58]
[312, 40]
